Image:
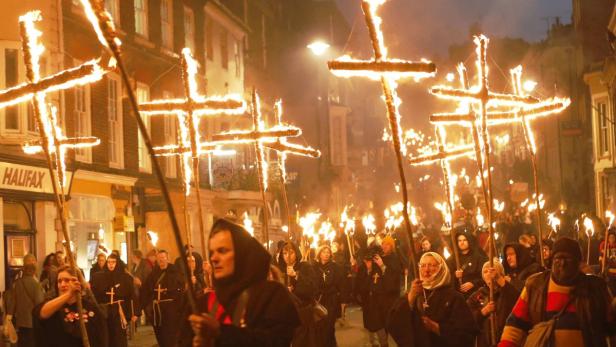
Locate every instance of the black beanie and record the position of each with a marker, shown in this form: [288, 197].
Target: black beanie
[569, 246]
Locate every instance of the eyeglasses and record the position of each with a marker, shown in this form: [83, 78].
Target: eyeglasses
[63, 280]
[431, 266]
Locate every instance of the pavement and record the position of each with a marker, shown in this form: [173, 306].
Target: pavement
[349, 334]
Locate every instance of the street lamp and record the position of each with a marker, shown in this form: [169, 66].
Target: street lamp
[318, 47]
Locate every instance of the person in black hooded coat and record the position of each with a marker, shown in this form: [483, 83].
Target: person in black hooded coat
[124, 306]
[468, 278]
[301, 280]
[245, 309]
[330, 281]
[164, 282]
[518, 264]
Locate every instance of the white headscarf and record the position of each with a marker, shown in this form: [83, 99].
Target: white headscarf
[441, 277]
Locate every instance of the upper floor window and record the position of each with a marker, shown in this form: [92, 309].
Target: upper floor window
[82, 119]
[113, 7]
[141, 17]
[145, 165]
[209, 38]
[189, 29]
[114, 113]
[603, 128]
[18, 120]
[224, 48]
[237, 57]
[166, 18]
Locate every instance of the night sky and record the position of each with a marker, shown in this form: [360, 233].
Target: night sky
[430, 26]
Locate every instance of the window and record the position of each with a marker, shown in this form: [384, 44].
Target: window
[141, 17]
[224, 49]
[166, 18]
[237, 57]
[171, 137]
[605, 191]
[113, 7]
[189, 29]
[145, 165]
[603, 128]
[81, 113]
[11, 78]
[114, 112]
[209, 38]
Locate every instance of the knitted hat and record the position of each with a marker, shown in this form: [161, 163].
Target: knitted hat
[568, 246]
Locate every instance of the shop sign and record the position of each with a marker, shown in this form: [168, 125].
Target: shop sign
[26, 178]
[124, 223]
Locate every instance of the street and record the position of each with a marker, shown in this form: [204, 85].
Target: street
[352, 334]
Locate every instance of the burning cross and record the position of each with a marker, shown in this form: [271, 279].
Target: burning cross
[444, 156]
[52, 141]
[189, 112]
[272, 138]
[388, 71]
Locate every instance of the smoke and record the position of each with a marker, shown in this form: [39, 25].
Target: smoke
[427, 28]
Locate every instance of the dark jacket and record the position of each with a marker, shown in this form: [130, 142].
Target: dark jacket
[505, 298]
[526, 265]
[471, 264]
[592, 301]
[446, 307]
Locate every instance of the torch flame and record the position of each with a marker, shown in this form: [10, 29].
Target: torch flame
[153, 237]
[589, 227]
[248, 224]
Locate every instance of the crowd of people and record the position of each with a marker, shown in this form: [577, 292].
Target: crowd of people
[297, 296]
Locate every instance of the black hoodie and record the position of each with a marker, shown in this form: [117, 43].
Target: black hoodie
[471, 264]
[304, 285]
[270, 317]
[525, 267]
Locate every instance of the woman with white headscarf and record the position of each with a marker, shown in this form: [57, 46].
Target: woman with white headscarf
[432, 313]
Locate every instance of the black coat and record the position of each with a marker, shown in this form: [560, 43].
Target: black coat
[525, 267]
[505, 298]
[378, 291]
[57, 332]
[122, 284]
[167, 313]
[471, 264]
[446, 307]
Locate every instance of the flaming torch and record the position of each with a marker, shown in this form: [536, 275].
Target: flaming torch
[554, 223]
[388, 71]
[590, 231]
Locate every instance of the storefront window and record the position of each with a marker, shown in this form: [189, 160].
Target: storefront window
[91, 226]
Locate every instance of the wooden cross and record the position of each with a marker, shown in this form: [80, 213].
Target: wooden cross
[159, 292]
[189, 112]
[262, 137]
[444, 155]
[52, 140]
[388, 71]
[111, 294]
[484, 99]
[375, 277]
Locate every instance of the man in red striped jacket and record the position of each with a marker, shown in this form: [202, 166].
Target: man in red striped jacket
[588, 318]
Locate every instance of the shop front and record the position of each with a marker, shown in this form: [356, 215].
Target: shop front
[26, 197]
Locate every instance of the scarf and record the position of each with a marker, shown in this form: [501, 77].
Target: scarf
[441, 277]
